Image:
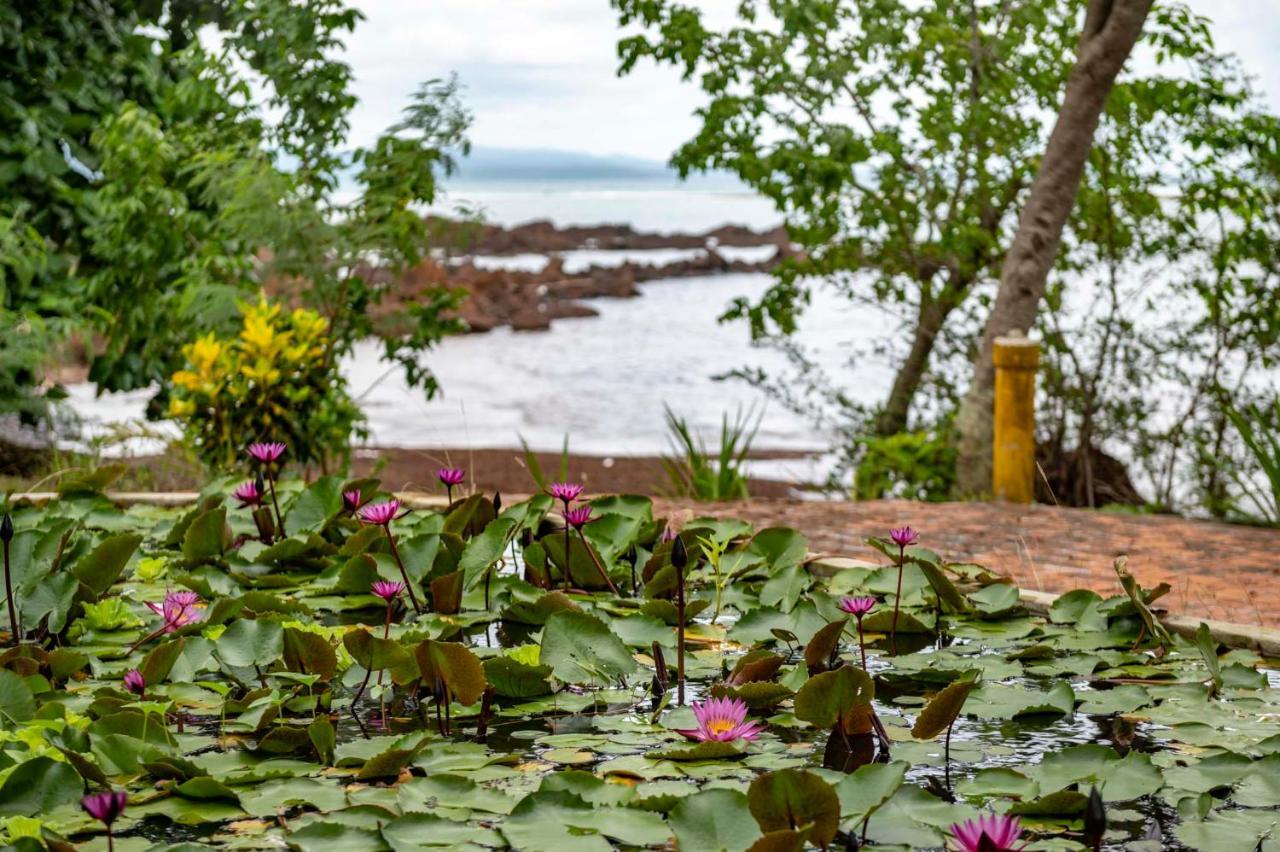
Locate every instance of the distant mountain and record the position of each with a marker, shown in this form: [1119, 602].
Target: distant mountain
[509, 165]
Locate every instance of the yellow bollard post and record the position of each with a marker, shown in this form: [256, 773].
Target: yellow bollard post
[1013, 467]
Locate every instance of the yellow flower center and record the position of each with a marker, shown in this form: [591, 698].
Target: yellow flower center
[716, 727]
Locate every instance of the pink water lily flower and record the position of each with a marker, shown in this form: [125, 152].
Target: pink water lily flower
[105, 806]
[177, 610]
[904, 536]
[722, 720]
[451, 475]
[859, 606]
[565, 492]
[248, 493]
[988, 833]
[134, 682]
[579, 517]
[386, 589]
[266, 452]
[381, 514]
[351, 500]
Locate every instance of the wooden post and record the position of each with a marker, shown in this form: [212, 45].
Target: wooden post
[1013, 463]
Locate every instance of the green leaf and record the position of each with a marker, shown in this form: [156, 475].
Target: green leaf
[831, 696]
[514, 679]
[790, 798]
[309, 653]
[159, 661]
[484, 550]
[715, 820]
[39, 786]
[1208, 647]
[709, 750]
[948, 595]
[453, 667]
[17, 703]
[104, 565]
[207, 537]
[581, 648]
[250, 642]
[942, 710]
[374, 652]
[995, 600]
[864, 791]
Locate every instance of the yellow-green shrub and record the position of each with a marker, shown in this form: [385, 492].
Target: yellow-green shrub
[276, 381]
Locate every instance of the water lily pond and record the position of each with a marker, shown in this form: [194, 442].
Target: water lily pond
[315, 667]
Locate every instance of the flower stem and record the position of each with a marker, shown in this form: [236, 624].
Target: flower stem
[862, 646]
[715, 615]
[897, 599]
[566, 557]
[111, 840]
[680, 636]
[404, 575]
[275, 503]
[14, 638]
[448, 490]
[946, 756]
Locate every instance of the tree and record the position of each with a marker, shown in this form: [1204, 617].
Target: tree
[1111, 28]
[149, 191]
[785, 84]
[895, 137]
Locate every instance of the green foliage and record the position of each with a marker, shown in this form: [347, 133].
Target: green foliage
[898, 140]
[275, 380]
[286, 670]
[906, 465]
[1259, 429]
[692, 471]
[156, 181]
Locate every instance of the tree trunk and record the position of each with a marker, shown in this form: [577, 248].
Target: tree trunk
[893, 417]
[1111, 27]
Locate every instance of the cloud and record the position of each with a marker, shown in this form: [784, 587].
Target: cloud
[543, 73]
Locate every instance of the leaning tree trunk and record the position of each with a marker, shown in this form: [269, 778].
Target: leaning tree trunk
[1111, 27]
[893, 417]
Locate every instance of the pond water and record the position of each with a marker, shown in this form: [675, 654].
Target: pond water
[602, 380]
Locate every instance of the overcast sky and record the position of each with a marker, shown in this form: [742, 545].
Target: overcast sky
[542, 73]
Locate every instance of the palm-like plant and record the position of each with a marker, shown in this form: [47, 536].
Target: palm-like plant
[692, 470]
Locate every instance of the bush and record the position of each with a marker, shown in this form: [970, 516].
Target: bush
[277, 381]
[908, 465]
[691, 469]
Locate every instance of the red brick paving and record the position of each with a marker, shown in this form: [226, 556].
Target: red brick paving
[1217, 570]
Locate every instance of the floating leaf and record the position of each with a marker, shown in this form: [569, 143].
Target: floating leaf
[581, 648]
[309, 653]
[513, 679]
[715, 820]
[792, 798]
[942, 710]
[100, 569]
[708, 750]
[832, 696]
[452, 669]
[39, 786]
[823, 645]
[754, 666]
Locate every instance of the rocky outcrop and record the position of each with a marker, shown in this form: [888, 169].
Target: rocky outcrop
[541, 237]
[531, 300]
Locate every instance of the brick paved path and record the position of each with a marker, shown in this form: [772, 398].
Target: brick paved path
[1216, 570]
